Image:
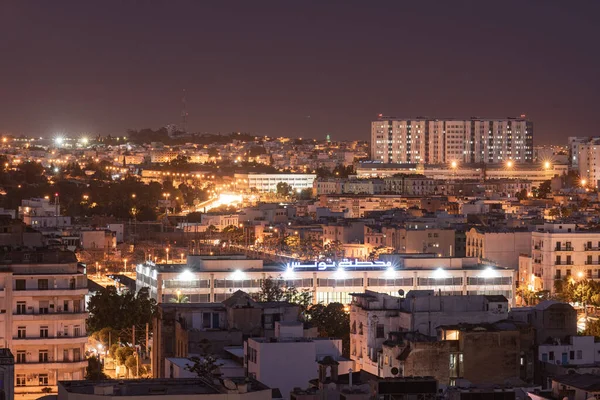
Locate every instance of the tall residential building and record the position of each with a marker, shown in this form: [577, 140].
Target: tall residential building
[425, 140]
[42, 297]
[561, 250]
[585, 157]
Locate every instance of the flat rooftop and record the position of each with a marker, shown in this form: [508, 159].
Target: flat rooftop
[145, 387]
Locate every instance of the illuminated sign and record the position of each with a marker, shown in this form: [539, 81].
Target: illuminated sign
[322, 266]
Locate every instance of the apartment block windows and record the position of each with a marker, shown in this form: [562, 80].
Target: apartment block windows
[76, 331]
[44, 307]
[21, 381]
[43, 379]
[43, 331]
[20, 284]
[43, 356]
[21, 356]
[42, 284]
[21, 332]
[21, 307]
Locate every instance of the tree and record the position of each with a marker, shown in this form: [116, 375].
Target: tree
[522, 194]
[278, 290]
[284, 189]
[205, 367]
[592, 328]
[544, 189]
[179, 298]
[120, 311]
[95, 370]
[332, 320]
[333, 250]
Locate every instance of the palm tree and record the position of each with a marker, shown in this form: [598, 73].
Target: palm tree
[180, 298]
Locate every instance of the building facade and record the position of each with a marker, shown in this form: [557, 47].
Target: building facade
[43, 294]
[216, 278]
[562, 250]
[439, 141]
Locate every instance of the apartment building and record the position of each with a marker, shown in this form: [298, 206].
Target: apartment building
[502, 246]
[560, 250]
[42, 297]
[425, 140]
[419, 239]
[586, 159]
[373, 316]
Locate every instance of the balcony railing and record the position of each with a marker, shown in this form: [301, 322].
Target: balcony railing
[563, 248]
[49, 360]
[50, 313]
[563, 262]
[592, 263]
[48, 288]
[591, 248]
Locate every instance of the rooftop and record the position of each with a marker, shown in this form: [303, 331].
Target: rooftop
[587, 382]
[135, 387]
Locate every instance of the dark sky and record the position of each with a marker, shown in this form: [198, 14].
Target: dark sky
[266, 66]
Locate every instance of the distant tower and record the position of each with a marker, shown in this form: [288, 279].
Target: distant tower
[184, 113]
[328, 138]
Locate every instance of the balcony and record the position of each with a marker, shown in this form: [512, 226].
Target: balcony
[563, 262]
[591, 248]
[52, 316]
[563, 248]
[50, 340]
[29, 292]
[50, 364]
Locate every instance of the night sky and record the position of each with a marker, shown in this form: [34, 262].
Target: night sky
[297, 68]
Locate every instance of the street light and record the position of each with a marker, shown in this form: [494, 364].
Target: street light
[583, 182]
[509, 164]
[125, 264]
[547, 165]
[167, 255]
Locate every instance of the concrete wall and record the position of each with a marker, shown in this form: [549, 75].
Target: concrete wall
[490, 357]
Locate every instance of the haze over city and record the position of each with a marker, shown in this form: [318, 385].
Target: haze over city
[297, 69]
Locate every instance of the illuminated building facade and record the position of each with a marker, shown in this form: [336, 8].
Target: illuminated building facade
[43, 294]
[215, 278]
[424, 140]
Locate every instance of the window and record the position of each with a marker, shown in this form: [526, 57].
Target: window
[77, 331]
[43, 379]
[42, 284]
[43, 331]
[568, 272]
[20, 284]
[558, 274]
[76, 306]
[44, 307]
[76, 355]
[21, 332]
[571, 355]
[21, 307]
[21, 356]
[21, 380]
[380, 331]
[551, 356]
[66, 306]
[43, 356]
[579, 354]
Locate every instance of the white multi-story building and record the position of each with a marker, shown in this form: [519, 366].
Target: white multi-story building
[586, 157]
[374, 315]
[40, 213]
[289, 359]
[437, 141]
[560, 250]
[216, 278]
[43, 294]
[268, 182]
[579, 350]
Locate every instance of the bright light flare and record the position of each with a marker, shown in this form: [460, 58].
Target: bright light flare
[238, 275]
[186, 275]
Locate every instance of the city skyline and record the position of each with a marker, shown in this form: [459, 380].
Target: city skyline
[300, 71]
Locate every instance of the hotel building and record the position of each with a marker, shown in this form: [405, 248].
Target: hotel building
[216, 278]
[42, 318]
[444, 140]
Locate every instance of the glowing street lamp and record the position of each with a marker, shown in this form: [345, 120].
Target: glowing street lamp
[453, 164]
[510, 164]
[583, 182]
[125, 264]
[547, 165]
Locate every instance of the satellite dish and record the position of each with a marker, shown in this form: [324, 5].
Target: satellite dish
[395, 371]
[401, 292]
[229, 384]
